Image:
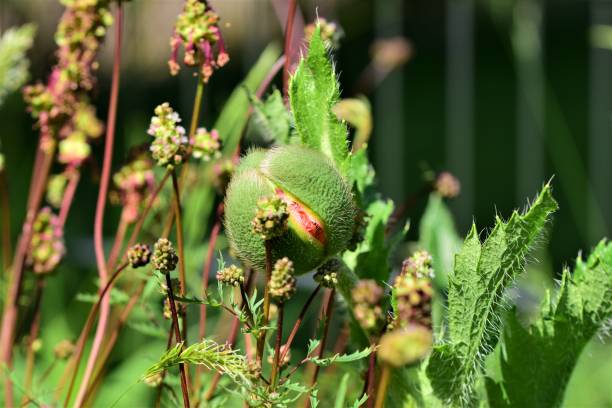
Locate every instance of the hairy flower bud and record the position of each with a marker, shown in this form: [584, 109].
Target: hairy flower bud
[271, 218]
[139, 255]
[232, 276]
[282, 283]
[321, 212]
[170, 143]
[164, 256]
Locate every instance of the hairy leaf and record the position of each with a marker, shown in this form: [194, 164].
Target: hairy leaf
[270, 121]
[481, 275]
[341, 358]
[536, 362]
[313, 92]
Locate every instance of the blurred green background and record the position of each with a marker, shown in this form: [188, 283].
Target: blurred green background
[504, 93]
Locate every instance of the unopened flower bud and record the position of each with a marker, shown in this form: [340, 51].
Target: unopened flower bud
[64, 349]
[170, 143]
[447, 185]
[327, 274]
[206, 145]
[164, 256]
[47, 244]
[282, 283]
[139, 255]
[232, 276]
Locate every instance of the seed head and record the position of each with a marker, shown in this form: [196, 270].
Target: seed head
[271, 218]
[170, 143]
[139, 255]
[327, 274]
[197, 30]
[47, 244]
[164, 256]
[232, 275]
[282, 282]
[413, 291]
[206, 145]
[366, 297]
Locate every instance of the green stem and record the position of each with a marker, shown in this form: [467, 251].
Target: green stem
[266, 306]
[383, 386]
[277, 348]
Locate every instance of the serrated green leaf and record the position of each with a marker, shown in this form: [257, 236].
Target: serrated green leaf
[270, 120]
[342, 358]
[481, 275]
[537, 362]
[438, 236]
[313, 92]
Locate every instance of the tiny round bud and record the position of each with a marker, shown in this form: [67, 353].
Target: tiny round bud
[232, 275]
[271, 218]
[282, 282]
[418, 265]
[164, 256]
[327, 274]
[139, 255]
[206, 145]
[46, 248]
[366, 296]
[285, 360]
[405, 346]
[170, 143]
[63, 349]
[447, 185]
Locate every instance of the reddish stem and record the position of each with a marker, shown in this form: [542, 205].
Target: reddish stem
[298, 322]
[288, 34]
[34, 329]
[6, 224]
[73, 181]
[100, 206]
[277, 347]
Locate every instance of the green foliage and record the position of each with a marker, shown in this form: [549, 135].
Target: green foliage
[337, 358]
[207, 353]
[536, 363]
[437, 235]
[14, 65]
[313, 92]
[481, 275]
[270, 121]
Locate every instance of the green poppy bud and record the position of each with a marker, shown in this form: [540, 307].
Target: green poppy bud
[319, 202]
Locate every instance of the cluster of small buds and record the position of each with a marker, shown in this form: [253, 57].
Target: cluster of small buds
[139, 255]
[413, 291]
[447, 185]
[61, 107]
[197, 30]
[232, 275]
[170, 143]
[132, 182]
[271, 218]
[223, 171]
[418, 265]
[286, 360]
[282, 282]
[405, 346]
[64, 349]
[331, 32]
[47, 244]
[366, 296]
[206, 145]
[55, 189]
[164, 256]
[327, 274]
[253, 370]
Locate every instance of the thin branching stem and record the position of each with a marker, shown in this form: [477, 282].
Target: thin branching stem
[277, 348]
[261, 340]
[299, 321]
[288, 34]
[181, 246]
[177, 334]
[100, 207]
[34, 329]
[383, 386]
[73, 367]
